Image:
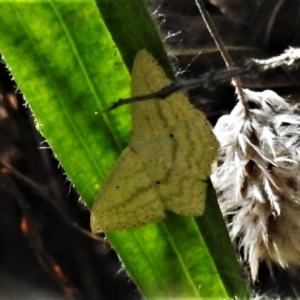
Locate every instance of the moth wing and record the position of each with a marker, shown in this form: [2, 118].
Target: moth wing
[195, 149]
[173, 139]
[179, 171]
[127, 198]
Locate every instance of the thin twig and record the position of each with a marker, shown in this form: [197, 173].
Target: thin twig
[30, 230]
[290, 58]
[37, 190]
[220, 45]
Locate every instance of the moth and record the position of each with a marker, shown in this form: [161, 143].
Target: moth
[166, 163]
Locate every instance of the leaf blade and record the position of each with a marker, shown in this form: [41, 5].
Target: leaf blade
[48, 73]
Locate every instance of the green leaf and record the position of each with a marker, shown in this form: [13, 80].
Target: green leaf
[132, 30]
[64, 59]
[68, 68]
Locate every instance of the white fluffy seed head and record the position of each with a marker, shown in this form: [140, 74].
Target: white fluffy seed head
[258, 178]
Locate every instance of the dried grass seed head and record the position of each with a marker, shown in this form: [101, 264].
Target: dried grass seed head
[258, 178]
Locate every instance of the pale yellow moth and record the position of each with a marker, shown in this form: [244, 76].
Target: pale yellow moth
[166, 163]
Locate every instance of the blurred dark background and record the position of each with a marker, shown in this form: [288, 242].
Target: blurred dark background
[42, 254]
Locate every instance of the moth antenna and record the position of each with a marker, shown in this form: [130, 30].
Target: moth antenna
[210, 25]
